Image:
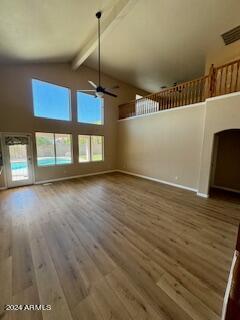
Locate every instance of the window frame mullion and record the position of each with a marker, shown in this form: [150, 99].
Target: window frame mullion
[90, 142]
[55, 154]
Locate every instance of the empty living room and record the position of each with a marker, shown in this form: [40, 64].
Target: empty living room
[119, 160]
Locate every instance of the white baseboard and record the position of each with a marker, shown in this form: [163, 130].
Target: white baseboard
[158, 180]
[74, 177]
[3, 188]
[203, 195]
[226, 189]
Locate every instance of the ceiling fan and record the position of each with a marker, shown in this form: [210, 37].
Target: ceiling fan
[98, 89]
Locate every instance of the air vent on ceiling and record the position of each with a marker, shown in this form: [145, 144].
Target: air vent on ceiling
[231, 35]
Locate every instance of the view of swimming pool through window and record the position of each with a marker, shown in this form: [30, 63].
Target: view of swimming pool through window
[17, 165]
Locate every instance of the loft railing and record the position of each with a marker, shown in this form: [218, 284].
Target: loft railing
[220, 80]
[226, 78]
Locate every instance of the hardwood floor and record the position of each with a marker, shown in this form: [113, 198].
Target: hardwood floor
[115, 247]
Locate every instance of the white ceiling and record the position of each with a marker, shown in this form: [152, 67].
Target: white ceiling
[156, 43]
[46, 30]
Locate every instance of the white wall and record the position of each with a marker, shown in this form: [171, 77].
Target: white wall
[176, 145]
[222, 113]
[165, 145]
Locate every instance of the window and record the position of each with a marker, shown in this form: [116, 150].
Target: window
[138, 97]
[89, 108]
[50, 101]
[84, 148]
[45, 149]
[91, 148]
[63, 145]
[97, 148]
[53, 148]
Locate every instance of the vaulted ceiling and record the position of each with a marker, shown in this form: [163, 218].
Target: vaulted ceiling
[153, 43]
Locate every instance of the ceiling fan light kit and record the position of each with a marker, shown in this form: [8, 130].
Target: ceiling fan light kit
[99, 94]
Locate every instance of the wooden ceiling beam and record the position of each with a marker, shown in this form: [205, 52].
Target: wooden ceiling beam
[108, 21]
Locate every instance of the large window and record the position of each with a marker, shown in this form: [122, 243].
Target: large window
[89, 108]
[91, 148]
[97, 148]
[53, 148]
[50, 101]
[84, 148]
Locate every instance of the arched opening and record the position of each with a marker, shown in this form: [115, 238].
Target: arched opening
[225, 170]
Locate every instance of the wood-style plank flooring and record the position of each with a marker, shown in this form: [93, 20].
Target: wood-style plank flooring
[115, 247]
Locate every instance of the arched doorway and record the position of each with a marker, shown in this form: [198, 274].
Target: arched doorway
[225, 170]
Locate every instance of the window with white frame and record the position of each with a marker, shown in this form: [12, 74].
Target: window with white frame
[90, 109]
[51, 101]
[90, 148]
[53, 148]
[84, 148]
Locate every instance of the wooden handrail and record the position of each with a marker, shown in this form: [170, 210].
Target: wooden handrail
[227, 64]
[220, 80]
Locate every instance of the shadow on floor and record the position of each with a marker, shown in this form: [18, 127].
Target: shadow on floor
[230, 196]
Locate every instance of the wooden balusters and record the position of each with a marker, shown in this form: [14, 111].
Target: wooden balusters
[236, 87]
[221, 80]
[227, 80]
[231, 78]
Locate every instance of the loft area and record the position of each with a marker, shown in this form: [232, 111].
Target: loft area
[220, 80]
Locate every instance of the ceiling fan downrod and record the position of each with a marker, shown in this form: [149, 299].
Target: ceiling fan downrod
[98, 15]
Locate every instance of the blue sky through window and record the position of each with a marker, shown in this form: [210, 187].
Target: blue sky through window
[89, 108]
[50, 101]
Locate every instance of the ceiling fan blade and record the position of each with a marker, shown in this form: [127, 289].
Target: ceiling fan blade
[92, 84]
[87, 90]
[109, 93]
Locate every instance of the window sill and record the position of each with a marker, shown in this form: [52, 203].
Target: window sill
[90, 161]
[90, 124]
[55, 165]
